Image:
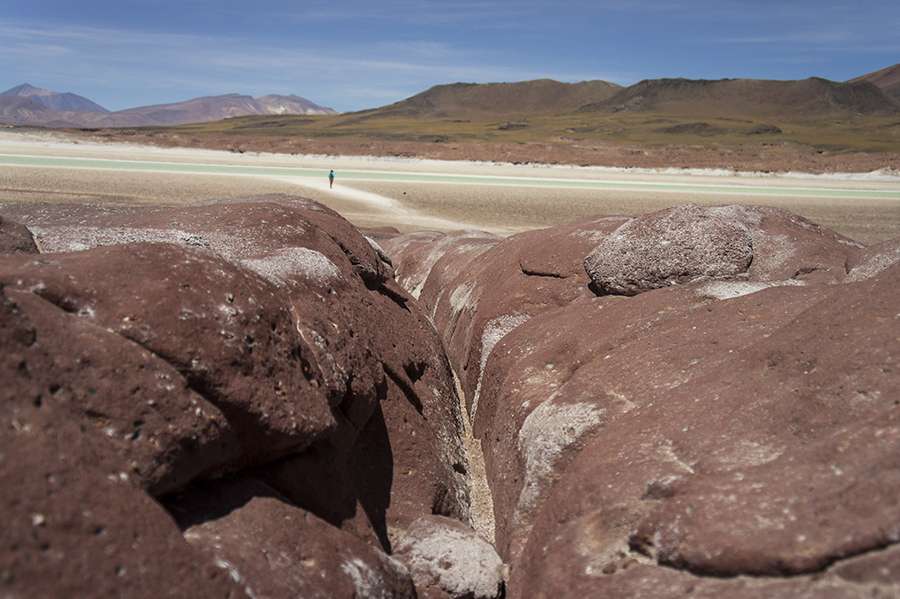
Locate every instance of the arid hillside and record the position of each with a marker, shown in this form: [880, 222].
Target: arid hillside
[743, 98]
[887, 79]
[473, 100]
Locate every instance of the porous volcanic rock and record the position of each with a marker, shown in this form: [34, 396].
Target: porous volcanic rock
[499, 289]
[415, 254]
[407, 460]
[224, 329]
[678, 436]
[448, 559]
[136, 404]
[686, 243]
[279, 551]
[180, 345]
[15, 238]
[873, 260]
[74, 523]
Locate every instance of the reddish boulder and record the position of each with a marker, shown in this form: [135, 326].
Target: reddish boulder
[503, 287]
[138, 406]
[326, 329]
[275, 550]
[74, 526]
[415, 254]
[686, 243]
[226, 331]
[15, 238]
[630, 439]
[448, 559]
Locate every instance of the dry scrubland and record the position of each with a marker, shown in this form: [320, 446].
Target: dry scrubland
[851, 144]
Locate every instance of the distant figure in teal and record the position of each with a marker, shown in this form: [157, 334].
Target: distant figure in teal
[331, 179]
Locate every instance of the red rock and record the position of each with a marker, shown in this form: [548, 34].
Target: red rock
[686, 243]
[502, 288]
[226, 331]
[357, 336]
[15, 238]
[448, 559]
[712, 437]
[415, 254]
[136, 404]
[73, 526]
[275, 550]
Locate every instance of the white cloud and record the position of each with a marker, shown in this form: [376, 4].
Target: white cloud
[158, 67]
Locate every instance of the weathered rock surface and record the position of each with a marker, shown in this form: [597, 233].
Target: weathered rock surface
[415, 254]
[730, 431]
[711, 437]
[448, 559]
[873, 260]
[59, 366]
[276, 550]
[183, 344]
[479, 291]
[15, 238]
[74, 524]
[686, 243]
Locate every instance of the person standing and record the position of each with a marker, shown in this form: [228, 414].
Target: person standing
[331, 179]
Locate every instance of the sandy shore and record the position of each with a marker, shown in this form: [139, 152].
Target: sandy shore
[496, 197]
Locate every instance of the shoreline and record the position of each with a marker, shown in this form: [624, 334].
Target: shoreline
[67, 138]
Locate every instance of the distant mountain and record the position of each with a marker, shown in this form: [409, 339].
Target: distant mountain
[888, 79]
[275, 104]
[749, 98]
[61, 102]
[478, 100]
[29, 105]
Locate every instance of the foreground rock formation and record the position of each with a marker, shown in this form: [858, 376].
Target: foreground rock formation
[231, 400]
[253, 399]
[701, 401]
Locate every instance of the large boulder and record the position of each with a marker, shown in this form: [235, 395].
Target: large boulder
[499, 289]
[448, 559]
[685, 243]
[15, 238]
[682, 433]
[275, 550]
[137, 404]
[182, 345]
[415, 254]
[75, 523]
[225, 330]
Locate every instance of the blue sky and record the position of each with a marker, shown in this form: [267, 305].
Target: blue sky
[359, 54]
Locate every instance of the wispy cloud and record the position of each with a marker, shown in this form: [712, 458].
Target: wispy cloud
[169, 66]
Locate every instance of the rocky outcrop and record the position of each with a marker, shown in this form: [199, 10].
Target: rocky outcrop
[477, 292]
[687, 243]
[184, 345]
[448, 559]
[703, 426]
[274, 549]
[15, 238]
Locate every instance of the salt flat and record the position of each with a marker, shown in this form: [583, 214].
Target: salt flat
[417, 194]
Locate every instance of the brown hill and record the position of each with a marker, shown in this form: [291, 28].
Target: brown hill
[473, 100]
[62, 102]
[743, 98]
[27, 108]
[888, 79]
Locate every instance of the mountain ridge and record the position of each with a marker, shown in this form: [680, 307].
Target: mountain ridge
[58, 101]
[888, 79]
[54, 109]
